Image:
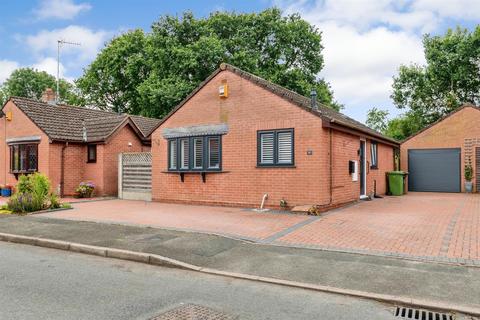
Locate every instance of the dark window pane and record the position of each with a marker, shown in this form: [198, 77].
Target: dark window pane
[92, 153]
[32, 157]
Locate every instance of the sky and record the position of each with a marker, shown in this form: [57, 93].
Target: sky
[365, 41]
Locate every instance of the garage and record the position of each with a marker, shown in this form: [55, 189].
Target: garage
[434, 170]
[436, 156]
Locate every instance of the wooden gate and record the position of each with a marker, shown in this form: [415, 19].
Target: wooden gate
[135, 176]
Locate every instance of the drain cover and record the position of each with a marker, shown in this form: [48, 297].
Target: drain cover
[192, 312]
[421, 314]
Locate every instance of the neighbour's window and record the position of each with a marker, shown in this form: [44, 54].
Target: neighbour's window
[23, 158]
[374, 155]
[194, 153]
[92, 153]
[275, 148]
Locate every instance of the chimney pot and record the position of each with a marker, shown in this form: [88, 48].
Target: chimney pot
[48, 96]
[313, 95]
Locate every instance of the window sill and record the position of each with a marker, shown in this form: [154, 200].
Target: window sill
[23, 171]
[192, 171]
[202, 173]
[290, 166]
[92, 161]
[374, 167]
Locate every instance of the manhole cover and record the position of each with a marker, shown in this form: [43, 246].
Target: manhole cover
[192, 312]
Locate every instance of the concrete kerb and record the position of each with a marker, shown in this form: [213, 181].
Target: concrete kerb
[172, 263]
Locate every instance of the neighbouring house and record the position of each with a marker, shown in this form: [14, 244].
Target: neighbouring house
[69, 144]
[436, 156]
[238, 137]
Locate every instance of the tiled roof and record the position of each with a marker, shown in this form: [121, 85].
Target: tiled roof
[67, 123]
[328, 114]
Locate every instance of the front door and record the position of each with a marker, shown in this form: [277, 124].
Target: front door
[363, 177]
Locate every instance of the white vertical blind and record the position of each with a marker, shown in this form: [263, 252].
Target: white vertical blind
[213, 153]
[267, 148]
[173, 154]
[198, 153]
[184, 154]
[284, 143]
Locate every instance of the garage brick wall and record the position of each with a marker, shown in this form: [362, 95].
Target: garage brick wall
[250, 108]
[456, 131]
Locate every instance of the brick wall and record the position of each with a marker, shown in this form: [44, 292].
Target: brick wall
[118, 143]
[456, 131]
[250, 108]
[20, 126]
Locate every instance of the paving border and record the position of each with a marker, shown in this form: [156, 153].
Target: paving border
[159, 260]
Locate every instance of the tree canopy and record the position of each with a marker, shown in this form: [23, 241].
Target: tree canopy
[150, 73]
[450, 78]
[30, 83]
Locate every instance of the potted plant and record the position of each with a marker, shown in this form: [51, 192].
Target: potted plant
[468, 178]
[85, 190]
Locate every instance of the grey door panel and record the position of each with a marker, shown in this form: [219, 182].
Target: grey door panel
[434, 170]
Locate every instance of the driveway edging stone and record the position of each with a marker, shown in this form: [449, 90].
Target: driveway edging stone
[159, 260]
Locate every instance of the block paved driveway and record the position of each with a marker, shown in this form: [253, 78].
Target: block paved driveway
[440, 227]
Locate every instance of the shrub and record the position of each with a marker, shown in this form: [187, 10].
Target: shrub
[25, 202]
[468, 172]
[32, 194]
[85, 190]
[54, 201]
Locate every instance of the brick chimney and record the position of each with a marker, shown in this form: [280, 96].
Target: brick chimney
[48, 96]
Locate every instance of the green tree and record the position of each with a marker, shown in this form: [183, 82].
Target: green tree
[450, 77]
[30, 83]
[377, 119]
[150, 73]
[398, 128]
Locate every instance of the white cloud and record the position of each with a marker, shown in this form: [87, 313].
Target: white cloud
[49, 65]
[366, 41]
[45, 42]
[360, 66]
[60, 9]
[6, 68]
[460, 9]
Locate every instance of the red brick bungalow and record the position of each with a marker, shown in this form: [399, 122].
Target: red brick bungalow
[68, 144]
[237, 137]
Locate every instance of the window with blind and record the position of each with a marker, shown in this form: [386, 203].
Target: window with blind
[23, 158]
[195, 154]
[373, 155]
[275, 148]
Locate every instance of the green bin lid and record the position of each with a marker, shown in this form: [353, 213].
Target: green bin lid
[398, 173]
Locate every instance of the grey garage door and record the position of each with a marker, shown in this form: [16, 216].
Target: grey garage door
[434, 170]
